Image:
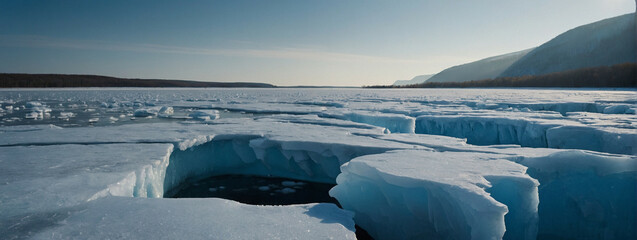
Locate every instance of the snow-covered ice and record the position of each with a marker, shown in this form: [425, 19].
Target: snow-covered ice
[433, 195]
[111, 218]
[443, 163]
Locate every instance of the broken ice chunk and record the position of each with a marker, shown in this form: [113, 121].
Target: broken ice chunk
[33, 104]
[204, 115]
[165, 110]
[32, 115]
[66, 115]
[145, 112]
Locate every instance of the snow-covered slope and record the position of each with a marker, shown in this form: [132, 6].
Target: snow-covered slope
[415, 80]
[482, 69]
[603, 43]
[607, 42]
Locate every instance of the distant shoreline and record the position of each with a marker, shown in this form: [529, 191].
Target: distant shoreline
[616, 76]
[22, 80]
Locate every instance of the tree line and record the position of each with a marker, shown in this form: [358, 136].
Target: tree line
[18, 80]
[616, 76]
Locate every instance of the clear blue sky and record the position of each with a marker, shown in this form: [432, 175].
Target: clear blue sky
[288, 42]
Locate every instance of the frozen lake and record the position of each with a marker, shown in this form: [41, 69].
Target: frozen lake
[406, 163]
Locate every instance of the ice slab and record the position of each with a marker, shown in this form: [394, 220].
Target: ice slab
[530, 132]
[44, 178]
[585, 195]
[619, 109]
[454, 195]
[601, 139]
[395, 123]
[620, 121]
[138, 218]
[489, 130]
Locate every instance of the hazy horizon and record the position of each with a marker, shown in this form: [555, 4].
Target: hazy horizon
[286, 43]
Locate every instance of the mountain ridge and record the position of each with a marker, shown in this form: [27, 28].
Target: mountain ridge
[606, 42]
[490, 67]
[603, 43]
[415, 80]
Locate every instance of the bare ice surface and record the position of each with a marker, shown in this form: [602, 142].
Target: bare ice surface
[408, 163]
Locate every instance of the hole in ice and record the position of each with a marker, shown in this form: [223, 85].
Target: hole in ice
[258, 190]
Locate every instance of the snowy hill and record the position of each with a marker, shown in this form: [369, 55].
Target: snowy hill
[415, 80]
[482, 69]
[603, 43]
